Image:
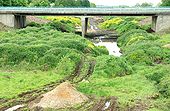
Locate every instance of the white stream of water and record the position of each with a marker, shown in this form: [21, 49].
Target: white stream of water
[112, 47]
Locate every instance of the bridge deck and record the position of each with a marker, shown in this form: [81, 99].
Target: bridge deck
[85, 11]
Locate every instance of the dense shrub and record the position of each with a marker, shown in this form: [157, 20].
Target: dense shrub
[153, 73]
[61, 26]
[110, 67]
[68, 20]
[12, 54]
[164, 86]
[33, 24]
[43, 47]
[134, 36]
[122, 24]
[48, 60]
[126, 25]
[147, 53]
[64, 24]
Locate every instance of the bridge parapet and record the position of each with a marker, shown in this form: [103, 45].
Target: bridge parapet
[85, 11]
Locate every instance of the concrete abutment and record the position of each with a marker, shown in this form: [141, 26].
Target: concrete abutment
[15, 21]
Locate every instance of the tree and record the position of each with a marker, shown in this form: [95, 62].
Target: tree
[92, 5]
[19, 2]
[40, 3]
[145, 4]
[85, 3]
[13, 2]
[72, 3]
[65, 3]
[165, 3]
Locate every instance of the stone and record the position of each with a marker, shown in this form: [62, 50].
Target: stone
[63, 96]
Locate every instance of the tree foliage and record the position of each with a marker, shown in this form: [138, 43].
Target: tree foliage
[72, 3]
[40, 3]
[13, 2]
[145, 4]
[58, 3]
[165, 3]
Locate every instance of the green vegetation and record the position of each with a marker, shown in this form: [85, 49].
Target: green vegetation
[141, 47]
[122, 24]
[111, 67]
[15, 83]
[35, 45]
[47, 3]
[145, 4]
[34, 57]
[149, 57]
[13, 2]
[165, 3]
[37, 3]
[147, 53]
[72, 3]
[42, 49]
[64, 24]
[128, 89]
[135, 35]
[141, 74]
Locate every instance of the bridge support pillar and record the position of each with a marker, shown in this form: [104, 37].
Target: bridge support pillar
[154, 23]
[15, 21]
[84, 21]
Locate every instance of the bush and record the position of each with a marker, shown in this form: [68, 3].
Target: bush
[64, 24]
[61, 26]
[125, 26]
[70, 43]
[153, 73]
[55, 56]
[134, 36]
[12, 54]
[42, 46]
[48, 60]
[110, 67]
[33, 24]
[121, 24]
[164, 86]
[147, 53]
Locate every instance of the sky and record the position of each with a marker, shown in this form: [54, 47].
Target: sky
[123, 2]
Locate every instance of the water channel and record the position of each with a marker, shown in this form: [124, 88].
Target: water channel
[108, 40]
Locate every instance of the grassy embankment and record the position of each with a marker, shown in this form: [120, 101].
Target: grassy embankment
[34, 57]
[139, 77]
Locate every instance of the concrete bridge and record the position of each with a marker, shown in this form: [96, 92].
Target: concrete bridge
[16, 16]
